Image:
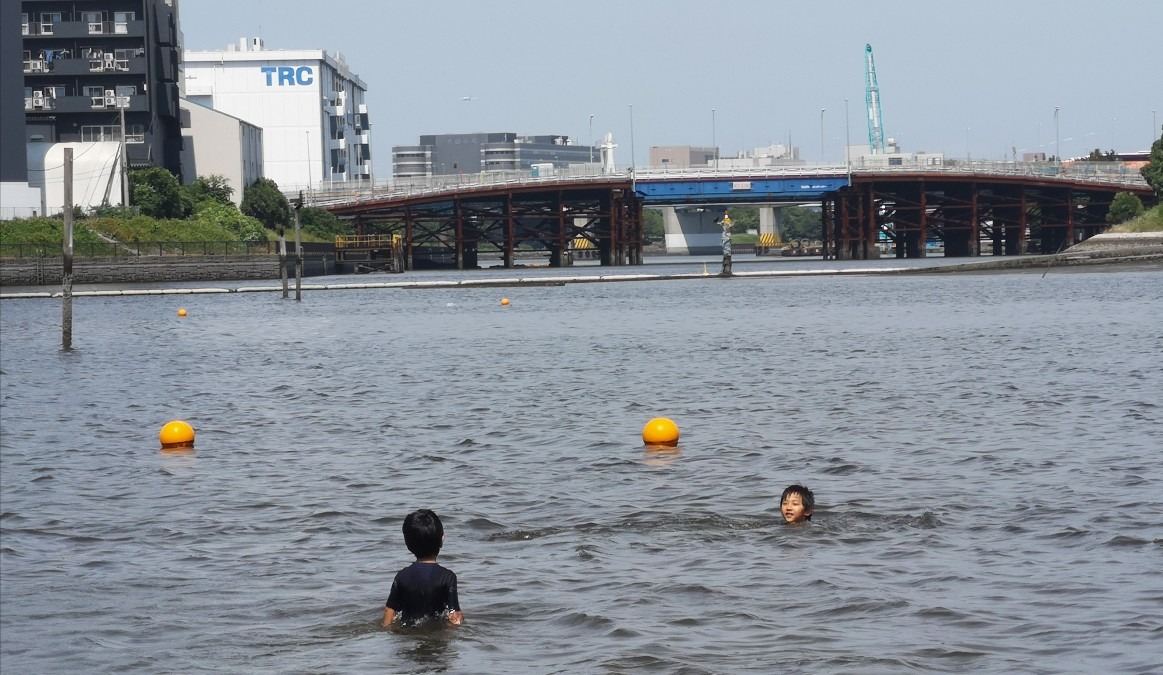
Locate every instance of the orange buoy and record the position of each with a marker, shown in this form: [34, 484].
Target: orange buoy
[182, 312]
[177, 434]
[660, 431]
[504, 302]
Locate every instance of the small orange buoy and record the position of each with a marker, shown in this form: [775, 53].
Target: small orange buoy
[182, 312]
[177, 434]
[660, 431]
[504, 302]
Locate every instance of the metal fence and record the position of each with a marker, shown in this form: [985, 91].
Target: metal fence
[1093, 172]
[137, 249]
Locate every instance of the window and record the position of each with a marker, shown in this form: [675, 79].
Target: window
[95, 21]
[94, 91]
[126, 90]
[121, 22]
[47, 21]
[123, 54]
[134, 133]
[24, 23]
[96, 133]
[54, 92]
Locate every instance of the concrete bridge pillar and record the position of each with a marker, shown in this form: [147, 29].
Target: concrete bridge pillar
[770, 221]
[693, 231]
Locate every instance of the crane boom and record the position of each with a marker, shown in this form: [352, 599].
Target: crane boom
[872, 99]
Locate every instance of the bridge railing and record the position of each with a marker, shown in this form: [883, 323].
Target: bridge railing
[1096, 172]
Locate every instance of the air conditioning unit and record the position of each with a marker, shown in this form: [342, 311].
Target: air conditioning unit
[38, 99]
[110, 97]
[37, 66]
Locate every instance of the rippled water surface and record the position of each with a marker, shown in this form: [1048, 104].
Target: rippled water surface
[985, 452]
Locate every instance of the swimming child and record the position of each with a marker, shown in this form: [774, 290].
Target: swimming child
[423, 590]
[795, 504]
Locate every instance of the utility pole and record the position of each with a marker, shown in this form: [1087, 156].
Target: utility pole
[122, 104]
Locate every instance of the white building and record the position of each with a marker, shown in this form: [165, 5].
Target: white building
[308, 103]
[220, 144]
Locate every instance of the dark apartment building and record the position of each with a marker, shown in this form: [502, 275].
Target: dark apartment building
[87, 62]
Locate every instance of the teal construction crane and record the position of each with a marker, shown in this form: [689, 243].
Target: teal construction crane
[872, 99]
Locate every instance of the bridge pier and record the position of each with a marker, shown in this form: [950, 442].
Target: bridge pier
[693, 230]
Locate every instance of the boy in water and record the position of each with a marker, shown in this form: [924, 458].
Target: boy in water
[424, 589]
[795, 504]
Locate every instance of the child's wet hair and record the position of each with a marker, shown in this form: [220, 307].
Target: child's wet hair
[423, 533]
[806, 496]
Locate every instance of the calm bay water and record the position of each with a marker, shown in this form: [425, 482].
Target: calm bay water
[985, 452]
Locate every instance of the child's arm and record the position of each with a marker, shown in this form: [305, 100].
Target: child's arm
[389, 616]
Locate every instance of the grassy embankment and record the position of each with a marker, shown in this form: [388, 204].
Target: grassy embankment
[1150, 221]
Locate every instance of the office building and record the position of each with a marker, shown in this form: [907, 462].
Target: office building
[308, 103]
[452, 154]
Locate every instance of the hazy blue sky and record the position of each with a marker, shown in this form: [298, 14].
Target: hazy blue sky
[980, 77]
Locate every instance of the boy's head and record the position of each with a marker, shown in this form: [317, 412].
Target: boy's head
[423, 533]
[795, 504]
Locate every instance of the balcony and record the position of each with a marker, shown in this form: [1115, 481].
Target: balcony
[87, 66]
[40, 103]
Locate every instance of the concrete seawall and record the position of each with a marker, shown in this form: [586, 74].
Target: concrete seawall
[148, 269]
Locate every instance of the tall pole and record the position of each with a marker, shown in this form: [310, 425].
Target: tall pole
[968, 155]
[308, 133]
[631, 138]
[67, 251]
[122, 102]
[847, 144]
[822, 135]
[298, 251]
[1057, 141]
[591, 138]
[714, 140]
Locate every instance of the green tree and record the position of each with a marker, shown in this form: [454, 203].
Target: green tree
[801, 223]
[213, 188]
[652, 225]
[322, 223]
[1097, 155]
[264, 201]
[1153, 171]
[156, 193]
[1124, 207]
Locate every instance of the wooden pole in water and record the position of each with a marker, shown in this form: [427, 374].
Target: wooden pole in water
[298, 252]
[283, 258]
[67, 268]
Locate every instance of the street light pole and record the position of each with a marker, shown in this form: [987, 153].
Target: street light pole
[847, 143]
[822, 135]
[714, 140]
[591, 138]
[1057, 137]
[308, 133]
[631, 138]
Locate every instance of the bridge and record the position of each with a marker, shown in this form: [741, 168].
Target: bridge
[1007, 208]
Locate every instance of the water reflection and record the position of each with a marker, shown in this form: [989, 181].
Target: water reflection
[661, 456]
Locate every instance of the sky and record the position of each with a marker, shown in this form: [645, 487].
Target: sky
[977, 78]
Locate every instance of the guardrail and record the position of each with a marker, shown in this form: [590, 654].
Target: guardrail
[142, 249]
[1116, 173]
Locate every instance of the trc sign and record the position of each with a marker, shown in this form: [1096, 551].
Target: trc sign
[287, 76]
